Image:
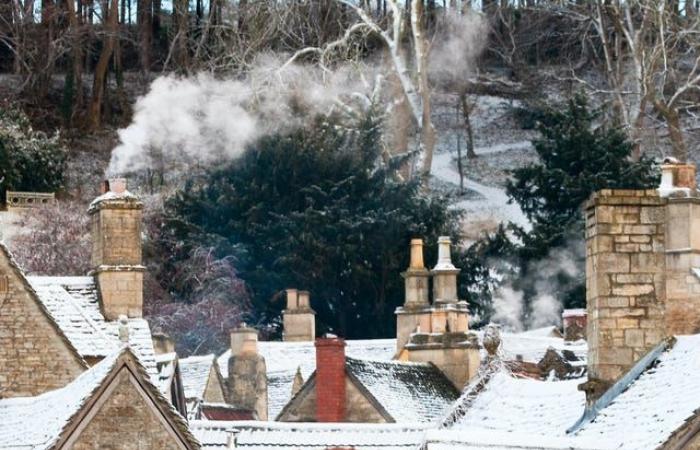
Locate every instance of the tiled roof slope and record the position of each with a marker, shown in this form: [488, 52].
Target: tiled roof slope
[408, 392]
[532, 345]
[37, 422]
[284, 358]
[72, 303]
[195, 372]
[280, 435]
[481, 439]
[659, 402]
[506, 404]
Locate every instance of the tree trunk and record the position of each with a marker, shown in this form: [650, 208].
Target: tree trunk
[670, 115]
[466, 114]
[44, 62]
[181, 15]
[425, 124]
[145, 26]
[76, 30]
[99, 85]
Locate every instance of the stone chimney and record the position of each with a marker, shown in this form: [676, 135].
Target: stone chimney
[247, 372]
[574, 322]
[163, 344]
[642, 247]
[298, 319]
[116, 250]
[330, 379]
[415, 312]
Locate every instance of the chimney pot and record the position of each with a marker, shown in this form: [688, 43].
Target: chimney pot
[292, 299]
[330, 379]
[444, 254]
[244, 340]
[416, 255]
[676, 175]
[304, 299]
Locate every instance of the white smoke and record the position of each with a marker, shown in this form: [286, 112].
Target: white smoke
[202, 119]
[546, 306]
[452, 56]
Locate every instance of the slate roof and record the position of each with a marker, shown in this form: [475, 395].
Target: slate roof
[284, 358]
[195, 372]
[408, 392]
[280, 435]
[73, 304]
[39, 422]
[659, 402]
[502, 403]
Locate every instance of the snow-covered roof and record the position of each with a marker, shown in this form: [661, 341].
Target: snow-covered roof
[284, 358]
[658, 403]
[73, 304]
[532, 345]
[280, 435]
[195, 372]
[480, 439]
[506, 404]
[409, 392]
[37, 422]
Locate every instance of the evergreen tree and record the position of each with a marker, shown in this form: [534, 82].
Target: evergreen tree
[29, 159]
[317, 210]
[576, 158]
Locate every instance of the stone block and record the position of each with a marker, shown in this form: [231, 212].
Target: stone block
[652, 214]
[632, 289]
[626, 322]
[634, 338]
[647, 263]
[611, 263]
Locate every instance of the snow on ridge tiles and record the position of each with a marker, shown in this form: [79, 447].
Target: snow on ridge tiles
[660, 401]
[72, 303]
[263, 435]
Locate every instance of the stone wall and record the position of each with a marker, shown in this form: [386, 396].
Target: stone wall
[33, 356]
[116, 233]
[625, 279]
[126, 421]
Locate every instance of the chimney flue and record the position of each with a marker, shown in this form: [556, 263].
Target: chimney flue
[330, 379]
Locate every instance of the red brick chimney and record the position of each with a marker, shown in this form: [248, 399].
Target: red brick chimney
[330, 379]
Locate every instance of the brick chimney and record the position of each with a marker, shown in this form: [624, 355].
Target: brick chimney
[415, 312]
[247, 372]
[330, 379]
[574, 321]
[162, 343]
[116, 250]
[298, 319]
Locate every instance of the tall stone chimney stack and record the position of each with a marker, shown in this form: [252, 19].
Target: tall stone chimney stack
[415, 312]
[116, 250]
[642, 285]
[298, 319]
[247, 372]
[330, 379]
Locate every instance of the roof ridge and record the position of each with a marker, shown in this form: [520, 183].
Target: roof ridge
[396, 362]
